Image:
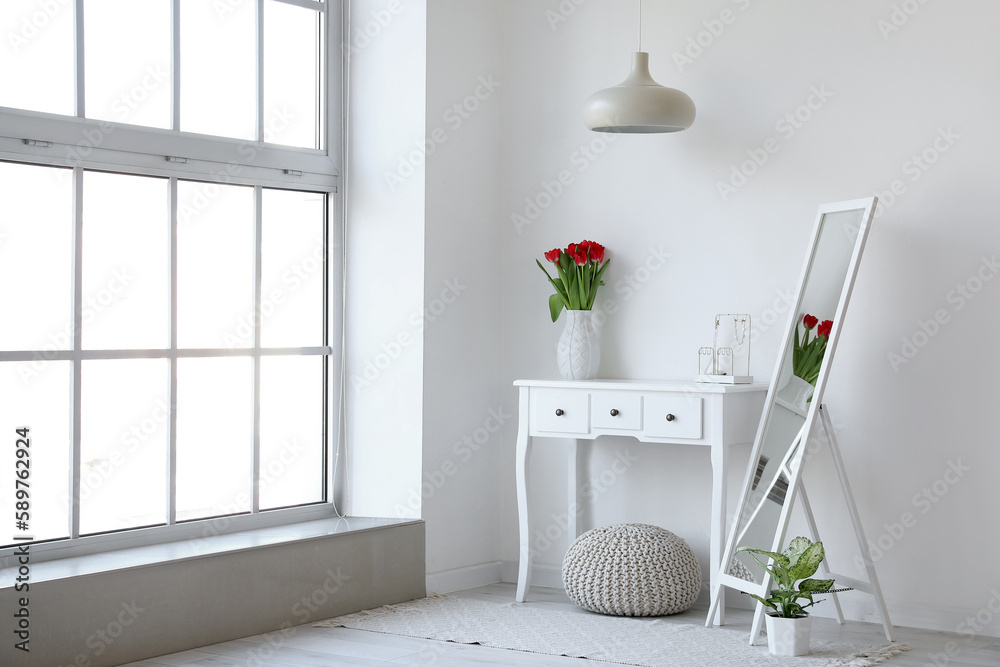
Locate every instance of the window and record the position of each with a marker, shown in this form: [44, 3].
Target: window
[167, 214]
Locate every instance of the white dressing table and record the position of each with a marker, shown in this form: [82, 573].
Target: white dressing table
[667, 412]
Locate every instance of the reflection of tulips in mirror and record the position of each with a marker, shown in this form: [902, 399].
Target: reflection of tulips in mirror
[807, 354]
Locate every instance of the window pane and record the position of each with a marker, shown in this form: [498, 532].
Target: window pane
[215, 259]
[291, 59]
[292, 269]
[133, 89]
[36, 59]
[291, 431]
[218, 68]
[126, 262]
[214, 436]
[123, 444]
[36, 258]
[43, 405]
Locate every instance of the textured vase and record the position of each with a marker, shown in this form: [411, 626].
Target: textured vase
[797, 393]
[579, 349]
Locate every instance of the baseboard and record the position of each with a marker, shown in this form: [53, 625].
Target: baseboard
[462, 578]
[546, 576]
[860, 607]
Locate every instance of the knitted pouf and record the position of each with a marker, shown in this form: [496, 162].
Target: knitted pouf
[632, 569]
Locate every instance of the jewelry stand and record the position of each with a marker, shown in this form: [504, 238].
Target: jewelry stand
[722, 363]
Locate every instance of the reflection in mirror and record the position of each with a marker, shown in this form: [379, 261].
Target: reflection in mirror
[824, 281]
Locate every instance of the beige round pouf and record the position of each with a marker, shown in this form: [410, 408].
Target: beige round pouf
[631, 569]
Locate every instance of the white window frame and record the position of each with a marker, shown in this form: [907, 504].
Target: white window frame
[84, 144]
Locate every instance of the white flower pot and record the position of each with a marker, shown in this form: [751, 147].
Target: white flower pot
[788, 636]
[579, 350]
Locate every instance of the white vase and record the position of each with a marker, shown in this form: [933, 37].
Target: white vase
[797, 393]
[579, 350]
[788, 636]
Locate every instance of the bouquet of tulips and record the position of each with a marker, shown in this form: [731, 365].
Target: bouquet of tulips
[579, 268]
[807, 355]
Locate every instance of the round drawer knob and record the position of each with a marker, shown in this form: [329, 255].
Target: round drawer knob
[614, 413]
[559, 412]
[670, 418]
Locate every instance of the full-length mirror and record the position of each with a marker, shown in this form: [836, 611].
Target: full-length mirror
[797, 386]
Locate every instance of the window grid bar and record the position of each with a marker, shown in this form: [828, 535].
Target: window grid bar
[260, 69]
[79, 82]
[175, 65]
[172, 401]
[258, 211]
[77, 400]
[306, 4]
[70, 355]
[320, 77]
[327, 489]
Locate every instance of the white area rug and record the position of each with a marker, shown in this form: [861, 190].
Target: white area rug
[645, 642]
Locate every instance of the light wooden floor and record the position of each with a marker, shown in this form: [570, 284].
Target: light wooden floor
[332, 647]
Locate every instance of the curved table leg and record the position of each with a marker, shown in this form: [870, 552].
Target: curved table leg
[523, 455]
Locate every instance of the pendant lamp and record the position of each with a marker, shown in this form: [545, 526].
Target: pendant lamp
[639, 105]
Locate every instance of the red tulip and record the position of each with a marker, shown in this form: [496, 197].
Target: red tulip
[581, 257]
[553, 255]
[571, 249]
[824, 328]
[597, 252]
[809, 322]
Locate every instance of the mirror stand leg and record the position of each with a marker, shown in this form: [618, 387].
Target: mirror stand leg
[758, 621]
[814, 536]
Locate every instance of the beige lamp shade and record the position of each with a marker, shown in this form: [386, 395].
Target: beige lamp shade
[639, 105]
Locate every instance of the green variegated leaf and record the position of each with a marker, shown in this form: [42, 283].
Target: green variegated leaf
[796, 548]
[816, 586]
[808, 562]
[766, 603]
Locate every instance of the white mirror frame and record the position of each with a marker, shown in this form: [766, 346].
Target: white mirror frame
[794, 462]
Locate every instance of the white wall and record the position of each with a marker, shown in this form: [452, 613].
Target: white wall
[886, 98]
[385, 231]
[890, 98]
[463, 413]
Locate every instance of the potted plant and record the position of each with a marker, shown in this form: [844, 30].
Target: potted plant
[579, 270]
[788, 624]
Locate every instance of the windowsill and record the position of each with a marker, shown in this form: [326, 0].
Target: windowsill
[188, 549]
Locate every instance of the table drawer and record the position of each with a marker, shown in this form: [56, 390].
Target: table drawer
[616, 410]
[673, 416]
[558, 411]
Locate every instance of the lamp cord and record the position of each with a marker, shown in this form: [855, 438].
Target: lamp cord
[640, 26]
